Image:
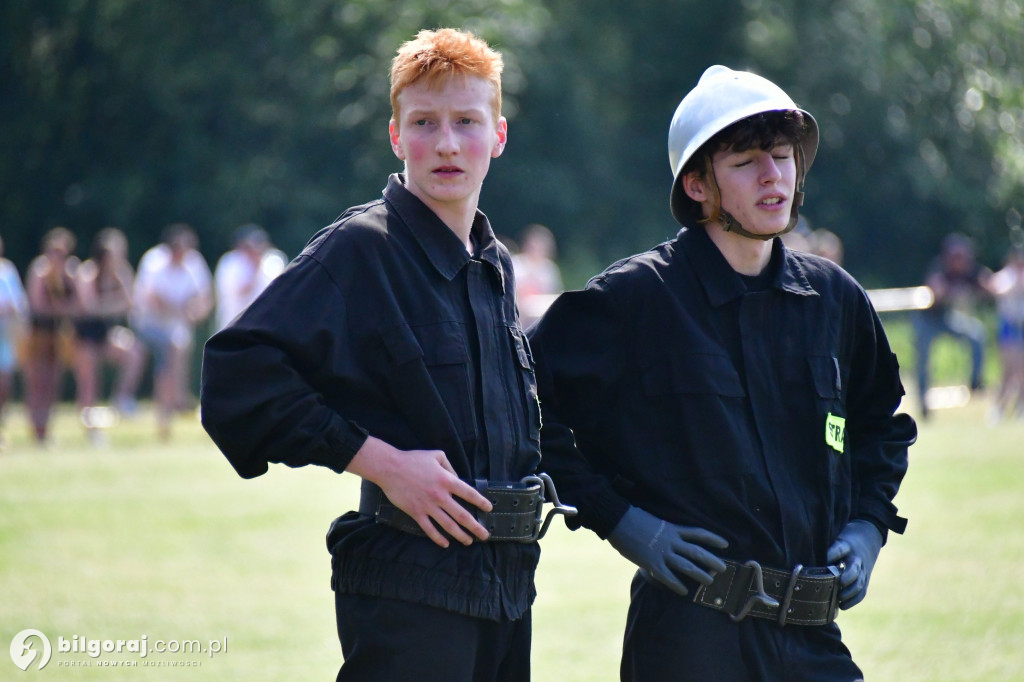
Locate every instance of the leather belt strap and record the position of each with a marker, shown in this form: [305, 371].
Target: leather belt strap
[517, 513]
[801, 596]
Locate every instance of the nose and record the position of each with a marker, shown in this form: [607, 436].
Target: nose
[447, 141]
[770, 171]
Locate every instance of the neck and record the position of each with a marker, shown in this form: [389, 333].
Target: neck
[460, 223]
[745, 256]
[464, 236]
[457, 216]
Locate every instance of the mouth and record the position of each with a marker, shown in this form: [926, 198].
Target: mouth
[772, 201]
[447, 171]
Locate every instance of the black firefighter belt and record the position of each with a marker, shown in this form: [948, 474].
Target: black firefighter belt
[802, 596]
[517, 514]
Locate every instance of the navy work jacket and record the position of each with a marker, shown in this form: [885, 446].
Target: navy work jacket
[385, 325]
[766, 416]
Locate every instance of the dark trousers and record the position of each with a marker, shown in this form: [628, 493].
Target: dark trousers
[669, 638]
[928, 326]
[386, 640]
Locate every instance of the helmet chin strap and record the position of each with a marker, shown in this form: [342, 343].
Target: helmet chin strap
[730, 224]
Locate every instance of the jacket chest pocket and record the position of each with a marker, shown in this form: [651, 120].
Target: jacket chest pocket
[429, 376]
[696, 403]
[523, 360]
[816, 378]
[816, 385]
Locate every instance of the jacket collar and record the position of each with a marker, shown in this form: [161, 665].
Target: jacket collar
[722, 284]
[444, 250]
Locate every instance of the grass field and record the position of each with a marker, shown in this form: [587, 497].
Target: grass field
[163, 540]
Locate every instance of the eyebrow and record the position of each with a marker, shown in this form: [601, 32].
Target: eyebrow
[468, 111]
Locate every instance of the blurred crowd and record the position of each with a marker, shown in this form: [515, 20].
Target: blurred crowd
[962, 286]
[102, 317]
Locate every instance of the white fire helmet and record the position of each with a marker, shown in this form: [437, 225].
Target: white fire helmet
[723, 97]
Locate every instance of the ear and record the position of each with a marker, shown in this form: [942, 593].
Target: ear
[693, 185]
[502, 137]
[396, 143]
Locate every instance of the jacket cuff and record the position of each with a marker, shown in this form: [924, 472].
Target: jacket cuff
[883, 515]
[601, 511]
[339, 445]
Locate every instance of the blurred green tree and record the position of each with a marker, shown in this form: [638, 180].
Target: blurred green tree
[138, 114]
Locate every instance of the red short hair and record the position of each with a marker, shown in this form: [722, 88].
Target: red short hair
[441, 54]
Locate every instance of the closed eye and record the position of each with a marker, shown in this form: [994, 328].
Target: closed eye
[783, 152]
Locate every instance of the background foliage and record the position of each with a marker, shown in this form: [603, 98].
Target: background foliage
[138, 114]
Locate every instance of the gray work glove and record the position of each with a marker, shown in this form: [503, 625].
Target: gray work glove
[667, 551]
[857, 547]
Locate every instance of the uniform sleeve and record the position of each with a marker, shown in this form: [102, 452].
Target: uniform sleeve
[577, 348]
[879, 437]
[258, 397]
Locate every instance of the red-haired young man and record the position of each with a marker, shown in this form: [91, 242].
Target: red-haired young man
[391, 349]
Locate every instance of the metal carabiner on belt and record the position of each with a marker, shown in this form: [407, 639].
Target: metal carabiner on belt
[758, 598]
[548, 494]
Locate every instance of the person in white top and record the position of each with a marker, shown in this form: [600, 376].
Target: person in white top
[173, 293]
[1007, 286]
[13, 311]
[245, 271]
[538, 278]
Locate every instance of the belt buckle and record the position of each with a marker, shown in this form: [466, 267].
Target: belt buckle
[791, 587]
[547, 494]
[760, 598]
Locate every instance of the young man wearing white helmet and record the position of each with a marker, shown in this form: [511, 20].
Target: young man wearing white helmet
[722, 410]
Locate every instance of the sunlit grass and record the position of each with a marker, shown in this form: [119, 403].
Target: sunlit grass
[164, 540]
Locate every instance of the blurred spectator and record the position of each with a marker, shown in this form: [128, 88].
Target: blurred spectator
[958, 282]
[245, 271]
[104, 284]
[1007, 286]
[797, 241]
[173, 293]
[537, 275]
[48, 347]
[827, 244]
[13, 309]
[799, 238]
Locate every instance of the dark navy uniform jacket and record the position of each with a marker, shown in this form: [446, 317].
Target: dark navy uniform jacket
[385, 325]
[766, 416]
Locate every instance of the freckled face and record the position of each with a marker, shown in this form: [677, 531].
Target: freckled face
[447, 137]
[757, 186]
